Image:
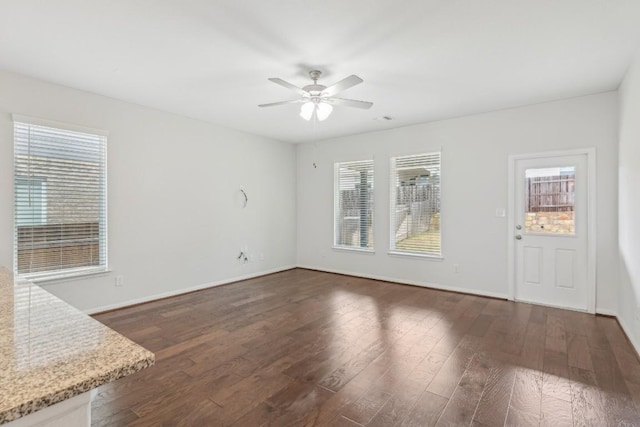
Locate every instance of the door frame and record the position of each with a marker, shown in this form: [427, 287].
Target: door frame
[591, 218]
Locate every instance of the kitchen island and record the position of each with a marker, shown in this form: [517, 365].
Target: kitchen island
[52, 356]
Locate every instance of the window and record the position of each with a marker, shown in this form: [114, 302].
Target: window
[415, 205]
[550, 200]
[353, 205]
[59, 200]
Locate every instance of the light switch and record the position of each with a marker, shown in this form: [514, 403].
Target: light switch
[501, 213]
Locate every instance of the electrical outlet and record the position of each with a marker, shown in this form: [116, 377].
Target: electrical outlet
[456, 268]
[119, 281]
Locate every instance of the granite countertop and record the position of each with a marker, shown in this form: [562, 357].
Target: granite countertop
[50, 351]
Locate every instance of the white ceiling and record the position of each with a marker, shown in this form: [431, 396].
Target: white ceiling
[421, 60]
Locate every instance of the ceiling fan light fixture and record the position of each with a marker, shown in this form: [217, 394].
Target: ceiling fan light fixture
[307, 109]
[318, 100]
[323, 110]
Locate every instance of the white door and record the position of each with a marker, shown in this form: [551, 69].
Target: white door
[551, 195]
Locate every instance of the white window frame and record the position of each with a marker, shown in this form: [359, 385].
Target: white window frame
[78, 272]
[336, 206]
[392, 210]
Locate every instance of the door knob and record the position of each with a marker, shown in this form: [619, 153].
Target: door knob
[518, 237]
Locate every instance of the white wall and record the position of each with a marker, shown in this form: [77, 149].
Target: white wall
[173, 186]
[182, 176]
[474, 183]
[629, 203]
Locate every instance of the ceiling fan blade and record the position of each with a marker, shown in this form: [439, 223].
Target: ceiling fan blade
[289, 86]
[343, 84]
[349, 103]
[273, 104]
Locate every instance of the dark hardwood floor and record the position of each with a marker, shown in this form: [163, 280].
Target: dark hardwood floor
[305, 348]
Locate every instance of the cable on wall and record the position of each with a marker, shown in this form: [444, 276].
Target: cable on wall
[246, 198]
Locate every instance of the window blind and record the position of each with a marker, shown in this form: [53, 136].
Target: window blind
[353, 205]
[415, 204]
[60, 224]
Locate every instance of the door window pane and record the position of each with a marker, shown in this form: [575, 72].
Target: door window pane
[550, 200]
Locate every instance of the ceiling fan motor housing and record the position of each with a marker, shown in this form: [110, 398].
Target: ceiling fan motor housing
[314, 89]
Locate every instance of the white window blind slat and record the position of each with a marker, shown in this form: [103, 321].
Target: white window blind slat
[353, 205]
[415, 204]
[60, 224]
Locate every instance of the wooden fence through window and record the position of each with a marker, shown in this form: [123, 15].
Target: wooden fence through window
[550, 193]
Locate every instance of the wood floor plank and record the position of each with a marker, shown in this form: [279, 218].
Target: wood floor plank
[336, 379]
[109, 417]
[578, 352]
[481, 325]
[462, 405]
[365, 408]
[426, 411]
[295, 404]
[532, 354]
[555, 412]
[447, 378]
[306, 348]
[394, 411]
[587, 403]
[526, 397]
[345, 422]
[555, 380]
[556, 338]
[514, 338]
[328, 411]
[494, 402]
[516, 418]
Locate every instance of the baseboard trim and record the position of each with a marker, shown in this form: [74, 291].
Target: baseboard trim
[605, 312]
[429, 285]
[155, 297]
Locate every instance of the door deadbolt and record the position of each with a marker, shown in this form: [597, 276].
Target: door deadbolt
[518, 227]
[518, 237]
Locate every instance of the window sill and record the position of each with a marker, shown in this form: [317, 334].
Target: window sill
[347, 249]
[415, 255]
[71, 275]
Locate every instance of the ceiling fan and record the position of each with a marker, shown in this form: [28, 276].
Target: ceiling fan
[318, 100]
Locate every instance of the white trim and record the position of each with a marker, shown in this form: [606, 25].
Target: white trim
[59, 125]
[592, 235]
[78, 273]
[561, 307]
[177, 292]
[416, 255]
[591, 218]
[511, 224]
[606, 312]
[428, 285]
[354, 249]
[336, 202]
[392, 208]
